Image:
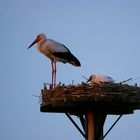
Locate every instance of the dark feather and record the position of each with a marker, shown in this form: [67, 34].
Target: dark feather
[67, 57]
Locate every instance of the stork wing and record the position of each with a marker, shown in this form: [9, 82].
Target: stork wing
[67, 57]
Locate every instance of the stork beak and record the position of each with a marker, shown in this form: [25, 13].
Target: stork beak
[88, 80]
[34, 42]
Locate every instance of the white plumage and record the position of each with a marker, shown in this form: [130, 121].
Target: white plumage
[56, 52]
[98, 79]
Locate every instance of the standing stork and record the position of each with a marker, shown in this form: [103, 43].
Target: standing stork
[55, 51]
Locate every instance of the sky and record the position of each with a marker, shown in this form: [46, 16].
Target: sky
[102, 34]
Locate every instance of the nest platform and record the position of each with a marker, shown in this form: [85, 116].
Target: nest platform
[78, 99]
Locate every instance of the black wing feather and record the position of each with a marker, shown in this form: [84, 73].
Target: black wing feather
[67, 57]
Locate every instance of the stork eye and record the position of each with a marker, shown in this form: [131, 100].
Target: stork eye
[38, 36]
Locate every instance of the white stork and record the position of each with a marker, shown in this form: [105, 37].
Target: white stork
[56, 52]
[98, 79]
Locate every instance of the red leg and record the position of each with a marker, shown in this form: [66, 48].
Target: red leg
[54, 74]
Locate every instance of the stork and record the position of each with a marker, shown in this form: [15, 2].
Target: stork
[56, 52]
[98, 79]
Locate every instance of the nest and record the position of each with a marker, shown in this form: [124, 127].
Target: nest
[104, 96]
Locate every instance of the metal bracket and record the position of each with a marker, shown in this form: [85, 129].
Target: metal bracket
[75, 124]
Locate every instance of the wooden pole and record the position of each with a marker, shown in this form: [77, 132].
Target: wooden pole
[90, 126]
[94, 125]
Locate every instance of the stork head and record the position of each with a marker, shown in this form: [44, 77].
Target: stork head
[40, 37]
[91, 78]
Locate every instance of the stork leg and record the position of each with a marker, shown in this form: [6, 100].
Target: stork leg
[54, 74]
[53, 63]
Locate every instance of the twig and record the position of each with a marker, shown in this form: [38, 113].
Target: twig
[84, 77]
[130, 79]
[38, 97]
[46, 84]
[72, 82]
[135, 79]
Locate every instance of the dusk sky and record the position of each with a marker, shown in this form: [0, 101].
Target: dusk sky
[103, 34]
